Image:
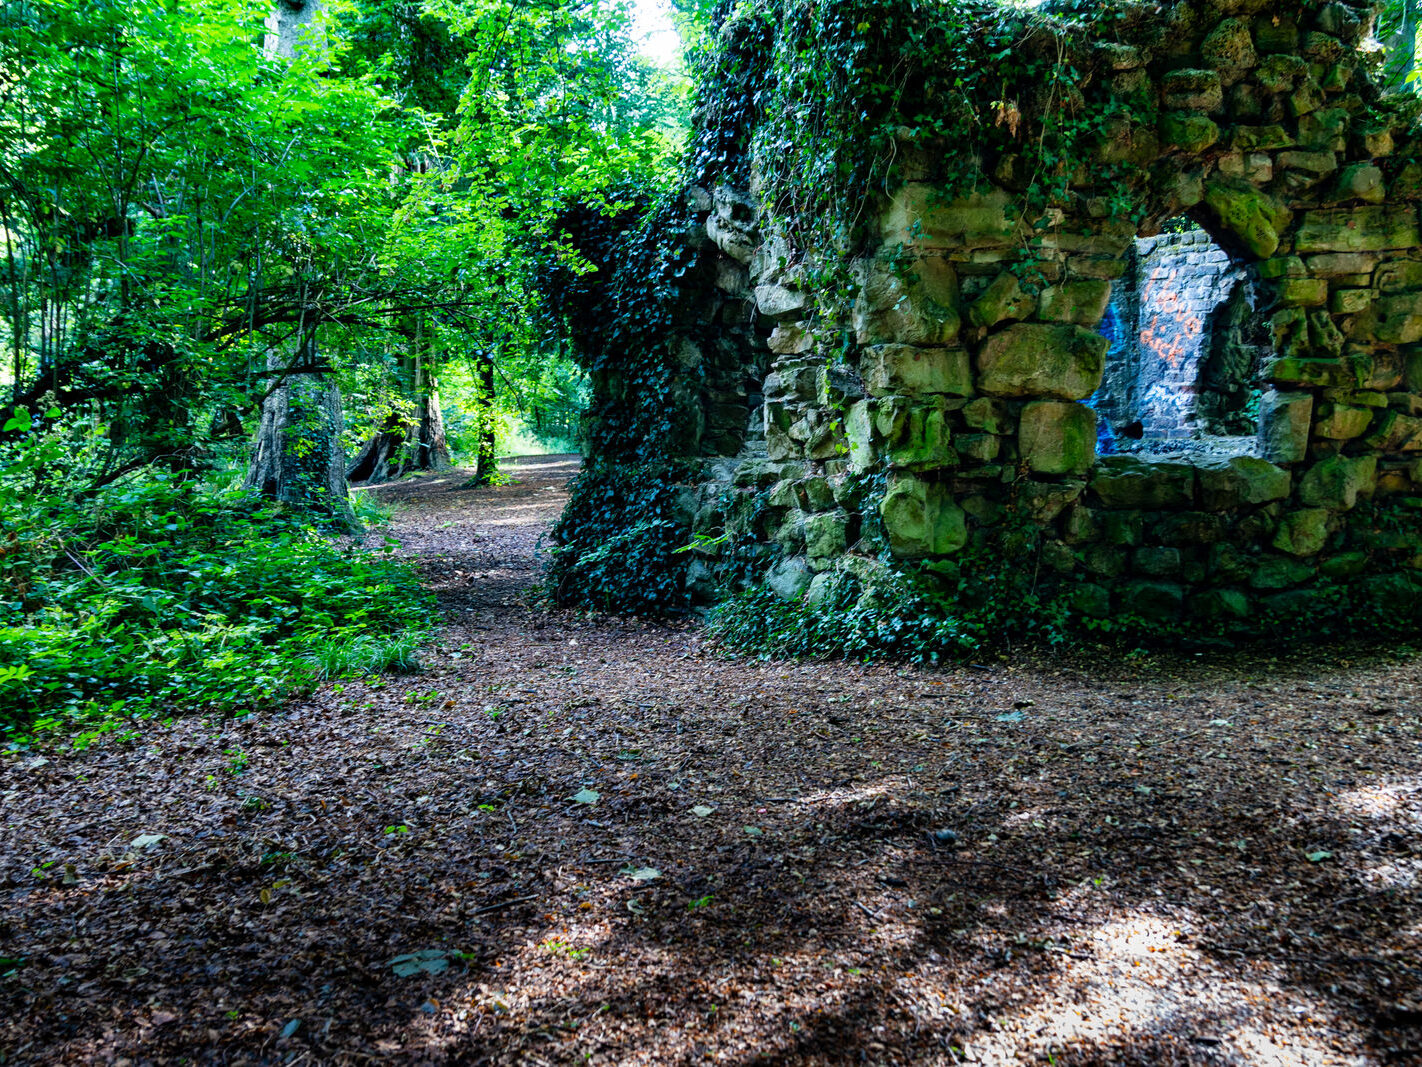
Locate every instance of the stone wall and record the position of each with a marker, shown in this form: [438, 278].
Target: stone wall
[960, 398]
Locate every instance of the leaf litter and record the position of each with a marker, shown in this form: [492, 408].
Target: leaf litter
[893, 874]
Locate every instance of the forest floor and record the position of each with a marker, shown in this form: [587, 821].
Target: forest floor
[576, 838]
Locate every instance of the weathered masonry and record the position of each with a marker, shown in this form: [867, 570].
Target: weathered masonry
[1211, 425]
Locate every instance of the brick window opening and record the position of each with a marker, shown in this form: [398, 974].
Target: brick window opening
[1187, 344]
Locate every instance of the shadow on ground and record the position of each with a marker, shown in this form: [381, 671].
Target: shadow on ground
[1150, 862]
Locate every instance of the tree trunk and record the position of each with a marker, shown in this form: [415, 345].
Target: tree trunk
[416, 442]
[298, 459]
[487, 464]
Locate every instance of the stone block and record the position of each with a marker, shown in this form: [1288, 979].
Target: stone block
[1104, 561]
[1303, 532]
[978, 447]
[1229, 49]
[1325, 130]
[989, 415]
[1216, 605]
[1044, 501]
[825, 536]
[1279, 572]
[1185, 528]
[1350, 301]
[1057, 437]
[1188, 131]
[1303, 292]
[921, 519]
[924, 440]
[894, 369]
[1253, 217]
[1081, 302]
[1368, 228]
[1260, 139]
[1292, 370]
[1333, 264]
[1002, 301]
[1090, 599]
[788, 340]
[779, 302]
[1122, 527]
[1276, 33]
[1342, 422]
[921, 216]
[1242, 480]
[1360, 181]
[1396, 432]
[1156, 561]
[1132, 482]
[1337, 482]
[1392, 319]
[790, 578]
[1229, 564]
[1285, 418]
[1343, 565]
[1151, 600]
[1062, 362]
[1192, 90]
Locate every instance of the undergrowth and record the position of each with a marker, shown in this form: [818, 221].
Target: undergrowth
[164, 592]
[618, 543]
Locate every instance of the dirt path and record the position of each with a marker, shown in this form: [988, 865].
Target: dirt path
[1147, 861]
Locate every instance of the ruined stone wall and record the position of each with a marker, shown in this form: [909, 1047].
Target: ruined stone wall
[955, 385]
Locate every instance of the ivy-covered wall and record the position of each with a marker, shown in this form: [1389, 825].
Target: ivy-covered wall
[912, 228]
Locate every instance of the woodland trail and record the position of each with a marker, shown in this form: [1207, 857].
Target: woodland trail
[1150, 861]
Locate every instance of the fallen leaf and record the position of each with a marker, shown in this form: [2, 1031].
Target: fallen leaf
[586, 796]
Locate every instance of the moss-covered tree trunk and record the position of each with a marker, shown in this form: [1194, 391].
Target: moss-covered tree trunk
[298, 458]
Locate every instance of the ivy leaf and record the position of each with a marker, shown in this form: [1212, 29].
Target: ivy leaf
[701, 811]
[586, 796]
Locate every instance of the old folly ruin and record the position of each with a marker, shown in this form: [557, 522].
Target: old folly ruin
[1202, 424]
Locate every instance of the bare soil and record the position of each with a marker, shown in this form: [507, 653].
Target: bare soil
[1102, 859]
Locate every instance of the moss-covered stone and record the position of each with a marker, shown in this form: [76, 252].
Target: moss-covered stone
[1003, 301]
[1057, 437]
[1156, 561]
[899, 369]
[1063, 362]
[1251, 216]
[921, 519]
[1242, 480]
[1279, 572]
[1081, 302]
[1285, 417]
[1152, 600]
[1215, 605]
[1090, 599]
[1188, 131]
[1358, 229]
[1303, 532]
[989, 415]
[825, 536]
[1132, 482]
[1193, 90]
[1337, 482]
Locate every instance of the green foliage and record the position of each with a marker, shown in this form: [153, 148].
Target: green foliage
[160, 593]
[832, 100]
[617, 543]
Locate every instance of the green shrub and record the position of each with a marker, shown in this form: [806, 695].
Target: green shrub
[160, 593]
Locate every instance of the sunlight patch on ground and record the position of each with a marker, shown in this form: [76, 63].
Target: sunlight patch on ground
[1138, 977]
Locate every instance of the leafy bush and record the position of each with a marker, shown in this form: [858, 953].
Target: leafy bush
[160, 593]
